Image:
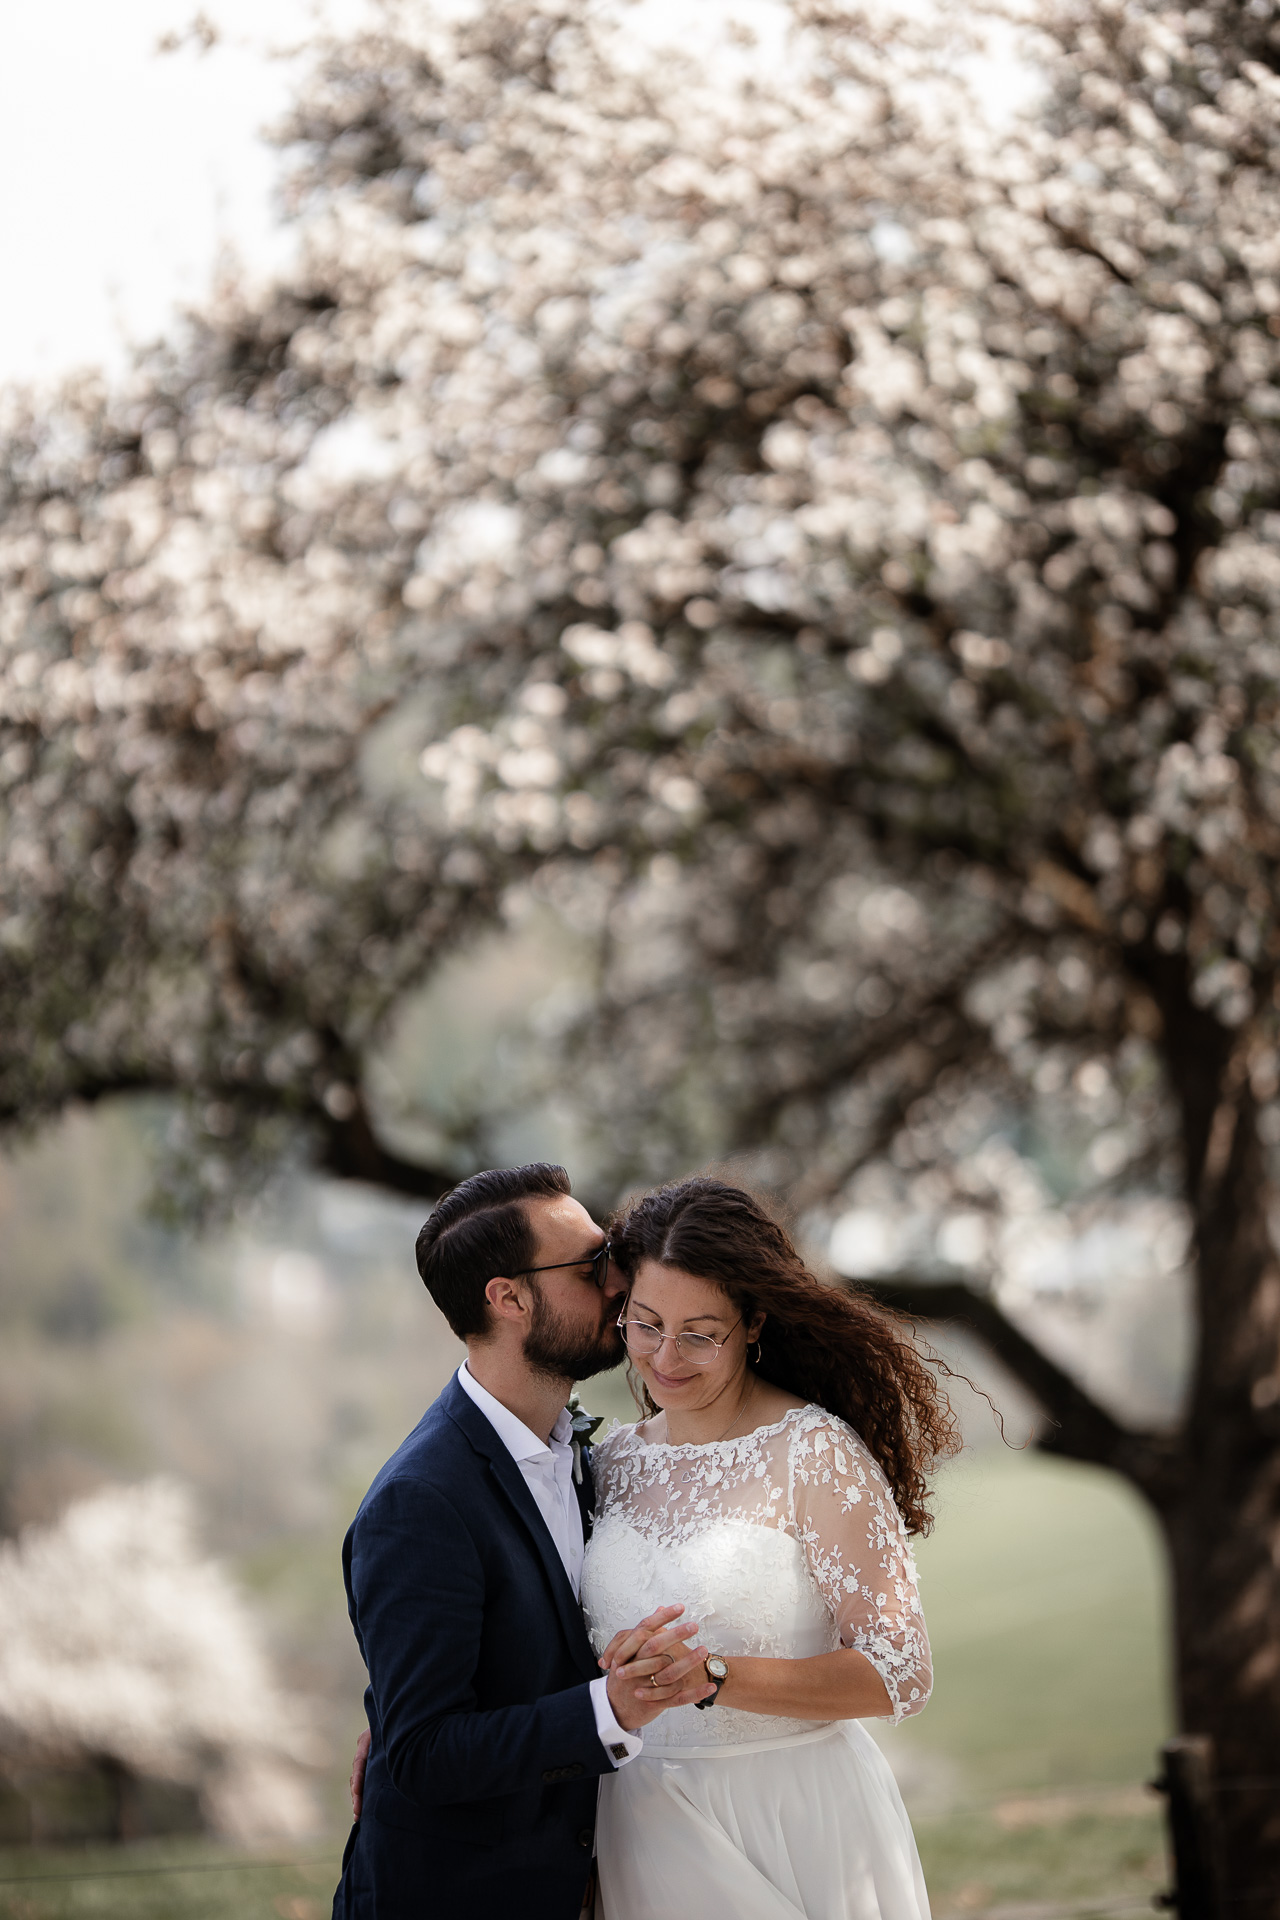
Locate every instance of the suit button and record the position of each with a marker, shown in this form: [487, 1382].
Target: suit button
[586, 1837]
[573, 1771]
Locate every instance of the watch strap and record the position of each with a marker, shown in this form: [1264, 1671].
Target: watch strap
[711, 1697]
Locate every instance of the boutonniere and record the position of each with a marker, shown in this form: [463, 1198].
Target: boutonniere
[582, 1425]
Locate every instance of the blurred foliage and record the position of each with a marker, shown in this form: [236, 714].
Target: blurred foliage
[821, 534]
[300, 1333]
[130, 1669]
[271, 1368]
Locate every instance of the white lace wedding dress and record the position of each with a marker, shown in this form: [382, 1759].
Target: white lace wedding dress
[786, 1542]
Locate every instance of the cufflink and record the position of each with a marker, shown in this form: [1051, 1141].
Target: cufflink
[618, 1751]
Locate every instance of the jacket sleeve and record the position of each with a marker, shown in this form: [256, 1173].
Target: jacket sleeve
[416, 1590]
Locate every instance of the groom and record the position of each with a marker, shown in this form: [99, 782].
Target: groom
[489, 1718]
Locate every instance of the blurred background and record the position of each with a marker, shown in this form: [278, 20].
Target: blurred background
[268, 1370]
[590, 584]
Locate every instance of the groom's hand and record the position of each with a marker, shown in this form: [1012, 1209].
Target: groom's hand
[651, 1667]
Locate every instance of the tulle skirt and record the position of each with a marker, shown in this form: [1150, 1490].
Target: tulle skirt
[807, 1827]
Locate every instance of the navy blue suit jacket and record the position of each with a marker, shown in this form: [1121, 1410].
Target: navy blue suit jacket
[480, 1794]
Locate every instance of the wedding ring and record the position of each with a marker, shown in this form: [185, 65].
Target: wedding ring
[670, 1660]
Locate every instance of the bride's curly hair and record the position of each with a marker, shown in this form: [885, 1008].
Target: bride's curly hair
[833, 1346]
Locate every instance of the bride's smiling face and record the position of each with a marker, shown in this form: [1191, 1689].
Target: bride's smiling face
[667, 1304]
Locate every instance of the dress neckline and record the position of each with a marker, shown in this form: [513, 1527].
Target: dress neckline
[706, 1446]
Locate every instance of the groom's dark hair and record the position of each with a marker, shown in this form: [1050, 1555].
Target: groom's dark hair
[479, 1229]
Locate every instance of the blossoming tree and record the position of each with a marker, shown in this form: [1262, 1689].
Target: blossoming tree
[124, 1647]
[824, 541]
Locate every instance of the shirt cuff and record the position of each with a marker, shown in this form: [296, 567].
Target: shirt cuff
[620, 1745]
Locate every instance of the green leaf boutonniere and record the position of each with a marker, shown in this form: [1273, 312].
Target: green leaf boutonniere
[583, 1425]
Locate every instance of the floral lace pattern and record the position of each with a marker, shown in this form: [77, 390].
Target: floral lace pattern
[808, 1478]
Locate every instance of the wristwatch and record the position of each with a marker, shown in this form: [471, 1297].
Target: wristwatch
[717, 1670]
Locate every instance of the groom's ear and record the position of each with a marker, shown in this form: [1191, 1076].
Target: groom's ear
[507, 1297]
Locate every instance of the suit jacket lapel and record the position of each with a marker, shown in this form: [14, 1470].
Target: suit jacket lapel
[468, 1416]
[586, 1492]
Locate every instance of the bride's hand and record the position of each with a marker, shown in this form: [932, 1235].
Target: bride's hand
[627, 1641]
[359, 1762]
[650, 1668]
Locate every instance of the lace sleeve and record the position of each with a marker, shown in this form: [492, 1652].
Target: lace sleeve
[859, 1554]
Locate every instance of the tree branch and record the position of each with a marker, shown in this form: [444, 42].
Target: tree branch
[1080, 1429]
[350, 1150]
[885, 1037]
[1081, 243]
[348, 1147]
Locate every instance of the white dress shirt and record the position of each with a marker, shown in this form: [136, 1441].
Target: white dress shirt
[548, 1474]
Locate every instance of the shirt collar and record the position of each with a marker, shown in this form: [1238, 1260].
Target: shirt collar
[520, 1441]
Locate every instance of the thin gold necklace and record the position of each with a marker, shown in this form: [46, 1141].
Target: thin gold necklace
[751, 1387]
[737, 1415]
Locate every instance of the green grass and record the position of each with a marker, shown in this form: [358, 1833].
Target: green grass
[1043, 1588]
[972, 1862]
[165, 1880]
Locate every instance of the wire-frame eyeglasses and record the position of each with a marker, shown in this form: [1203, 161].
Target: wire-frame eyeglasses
[699, 1349]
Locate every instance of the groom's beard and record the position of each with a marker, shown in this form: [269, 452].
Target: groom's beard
[563, 1352]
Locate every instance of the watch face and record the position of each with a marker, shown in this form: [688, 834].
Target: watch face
[717, 1668]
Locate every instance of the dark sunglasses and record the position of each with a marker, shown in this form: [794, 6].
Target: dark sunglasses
[597, 1261]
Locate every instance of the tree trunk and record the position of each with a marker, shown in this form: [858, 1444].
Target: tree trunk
[1221, 1510]
[1226, 1600]
[1215, 1485]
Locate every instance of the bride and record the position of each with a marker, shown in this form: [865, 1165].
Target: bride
[770, 1492]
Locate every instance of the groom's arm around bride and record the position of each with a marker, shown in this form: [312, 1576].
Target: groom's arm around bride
[490, 1721]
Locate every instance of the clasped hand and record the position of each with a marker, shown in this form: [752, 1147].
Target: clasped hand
[656, 1646]
[651, 1667]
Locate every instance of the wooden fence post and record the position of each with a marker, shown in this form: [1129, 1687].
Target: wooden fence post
[1187, 1784]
